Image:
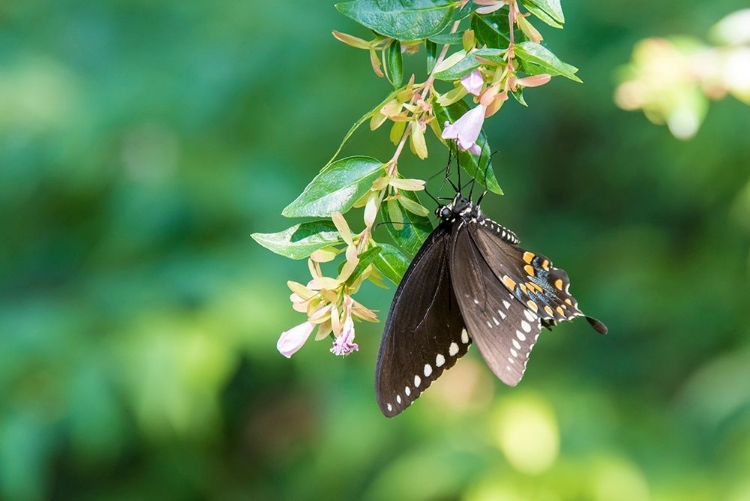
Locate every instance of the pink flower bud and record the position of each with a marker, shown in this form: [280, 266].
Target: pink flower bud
[292, 340]
[473, 82]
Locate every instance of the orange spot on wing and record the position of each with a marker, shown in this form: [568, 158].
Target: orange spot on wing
[568, 301]
[549, 311]
[509, 283]
[532, 305]
[529, 270]
[528, 256]
[560, 311]
[559, 284]
[545, 264]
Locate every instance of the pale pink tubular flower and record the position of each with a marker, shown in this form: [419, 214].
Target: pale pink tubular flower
[473, 82]
[344, 344]
[466, 130]
[292, 340]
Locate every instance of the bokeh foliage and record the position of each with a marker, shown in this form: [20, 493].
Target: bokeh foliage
[142, 142]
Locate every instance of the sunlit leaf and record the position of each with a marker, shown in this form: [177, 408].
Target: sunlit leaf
[549, 8]
[463, 67]
[301, 240]
[336, 188]
[447, 38]
[404, 21]
[537, 59]
[541, 15]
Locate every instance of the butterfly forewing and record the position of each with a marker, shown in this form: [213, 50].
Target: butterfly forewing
[424, 334]
[503, 329]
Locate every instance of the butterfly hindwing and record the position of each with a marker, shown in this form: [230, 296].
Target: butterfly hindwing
[424, 334]
[502, 328]
[530, 277]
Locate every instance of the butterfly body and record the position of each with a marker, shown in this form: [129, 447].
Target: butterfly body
[469, 282]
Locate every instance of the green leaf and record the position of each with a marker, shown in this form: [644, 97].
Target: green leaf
[491, 30]
[365, 260]
[412, 234]
[301, 240]
[448, 38]
[541, 14]
[551, 8]
[401, 19]
[336, 188]
[391, 263]
[394, 64]
[357, 125]
[494, 55]
[458, 70]
[482, 164]
[537, 59]
[432, 54]
[518, 94]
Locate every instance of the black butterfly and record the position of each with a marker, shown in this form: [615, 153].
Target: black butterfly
[470, 281]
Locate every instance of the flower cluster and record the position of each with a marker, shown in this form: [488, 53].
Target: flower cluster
[484, 76]
[328, 301]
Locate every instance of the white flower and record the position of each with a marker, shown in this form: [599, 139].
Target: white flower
[466, 130]
[292, 340]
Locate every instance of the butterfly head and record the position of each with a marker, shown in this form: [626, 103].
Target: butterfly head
[459, 207]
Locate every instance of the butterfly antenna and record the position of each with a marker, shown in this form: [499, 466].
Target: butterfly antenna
[437, 199]
[458, 168]
[484, 177]
[474, 180]
[481, 197]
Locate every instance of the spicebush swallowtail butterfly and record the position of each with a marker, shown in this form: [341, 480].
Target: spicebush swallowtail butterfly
[470, 281]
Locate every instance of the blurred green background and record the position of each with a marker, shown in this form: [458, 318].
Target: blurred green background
[141, 142]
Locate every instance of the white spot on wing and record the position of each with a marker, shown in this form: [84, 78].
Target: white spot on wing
[398, 399]
[497, 322]
[427, 370]
[390, 408]
[464, 336]
[489, 324]
[506, 304]
[517, 344]
[453, 349]
[417, 381]
[520, 336]
[530, 316]
[407, 390]
[525, 326]
[502, 315]
[513, 352]
[439, 360]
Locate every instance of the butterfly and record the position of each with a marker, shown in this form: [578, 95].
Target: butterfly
[469, 282]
